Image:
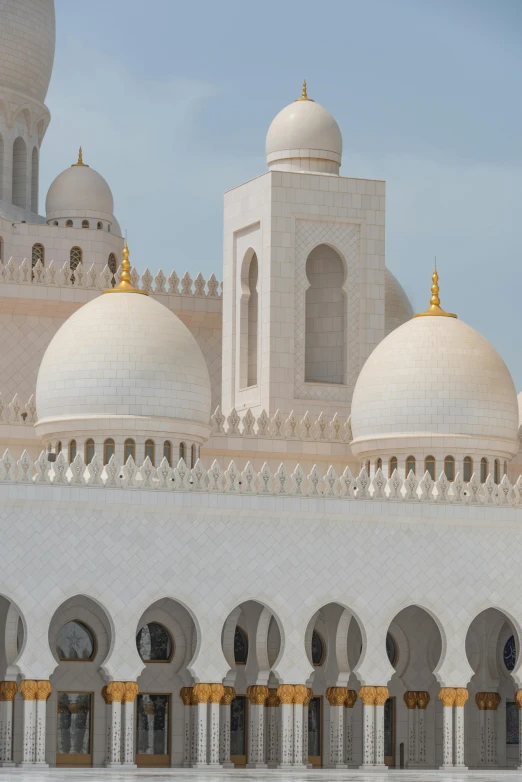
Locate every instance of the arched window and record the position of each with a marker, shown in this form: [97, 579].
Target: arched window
[129, 449]
[367, 466]
[154, 643]
[89, 450]
[109, 227]
[69, 223]
[75, 257]
[55, 222]
[249, 321]
[325, 338]
[449, 468]
[19, 180]
[378, 465]
[510, 653]
[75, 642]
[410, 465]
[429, 466]
[59, 447]
[149, 450]
[483, 469]
[393, 466]
[37, 254]
[468, 468]
[108, 450]
[113, 267]
[240, 646]
[496, 471]
[318, 649]
[34, 181]
[167, 452]
[99, 225]
[85, 223]
[391, 649]
[182, 451]
[193, 455]
[72, 451]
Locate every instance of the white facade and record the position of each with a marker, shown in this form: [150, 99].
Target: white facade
[272, 524]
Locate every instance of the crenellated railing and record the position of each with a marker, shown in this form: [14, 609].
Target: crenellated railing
[318, 484]
[91, 278]
[17, 411]
[319, 428]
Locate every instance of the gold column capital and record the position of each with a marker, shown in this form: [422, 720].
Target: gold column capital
[423, 698]
[518, 698]
[285, 693]
[228, 696]
[200, 693]
[410, 699]
[461, 696]
[492, 701]
[130, 692]
[336, 696]
[447, 695]
[186, 695]
[351, 697]
[300, 694]
[43, 689]
[115, 692]
[8, 691]
[257, 694]
[273, 698]
[381, 695]
[367, 694]
[309, 696]
[28, 689]
[216, 692]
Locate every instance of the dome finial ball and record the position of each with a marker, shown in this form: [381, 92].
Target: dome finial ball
[125, 285]
[435, 308]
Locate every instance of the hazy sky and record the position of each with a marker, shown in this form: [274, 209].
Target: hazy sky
[171, 102]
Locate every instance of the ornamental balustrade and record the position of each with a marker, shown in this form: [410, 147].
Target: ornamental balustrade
[91, 278]
[277, 427]
[248, 481]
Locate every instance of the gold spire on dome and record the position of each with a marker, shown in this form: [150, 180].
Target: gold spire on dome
[80, 159]
[435, 308]
[125, 285]
[304, 95]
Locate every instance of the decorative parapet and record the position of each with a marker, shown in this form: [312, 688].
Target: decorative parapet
[92, 279]
[283, 483]
[18, 411]
[292, 428]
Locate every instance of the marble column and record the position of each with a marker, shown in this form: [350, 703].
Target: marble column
[423, 698]
[367, 695]
[306, 704]
[349, 703]
[128, 732]
[518, 699]
[28, 690]
[285, 693]
[336, 697]
[447, 695]
[216, 693]
[186, 696]
[300, 695]
[272, 728]
[461, 696]
[8, 691]
[381, 696]
[113, 695]
[257, 695]
[410, 699]
[200, 697]
[43, 690]
[224, 727]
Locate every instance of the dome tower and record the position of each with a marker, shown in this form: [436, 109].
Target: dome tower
[27, 41]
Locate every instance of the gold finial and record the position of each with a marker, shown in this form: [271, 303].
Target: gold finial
[80, 159]
[125, 285]
[435, 308]
[304, 94]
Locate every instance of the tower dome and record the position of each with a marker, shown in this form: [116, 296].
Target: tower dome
[27, 40]
[79, 192]
[397, 306]
[304, 137]
[437, 387]
[123, 365]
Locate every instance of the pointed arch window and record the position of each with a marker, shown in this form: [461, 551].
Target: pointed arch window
[496, 471]
[378, 465]
[99, 226]
[129, 449]
[393, 466]
[89, 450]
[483, 469]
[193, 456]
[37, 254]
[468, 468]
[19, 179]
[149, 450]
[76, 642]
[108, 450]
[240, 646]
[410, 465]
[449, 468]
[69, 224]
[318, 649]
[72, 451]
[85, 223]
[154, 643]
[34, 181]
[1, 250]
[167, 452]
[75, 257]
[182, 451]
[429, 466]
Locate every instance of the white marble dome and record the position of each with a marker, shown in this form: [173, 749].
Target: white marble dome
[432, 383]
[123, 363]
[27, 41]
[79, 192]
[397, 306]
[304, 136]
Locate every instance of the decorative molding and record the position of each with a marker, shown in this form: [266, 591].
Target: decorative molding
[318, 429]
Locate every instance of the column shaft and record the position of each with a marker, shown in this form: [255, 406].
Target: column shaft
[256, 735]
[128, 734]
[199, 735]
[28, 689]
[224, 736]
[379, 735]
[423, 699]
[336, 742]
[186, 696]
[40, 732]
[447, 695]
[368, 735]
[286, 735]
[8, 691]
[272, 728]
[518, 699]
[213, 734]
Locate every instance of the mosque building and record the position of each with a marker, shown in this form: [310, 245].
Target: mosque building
[270, 522]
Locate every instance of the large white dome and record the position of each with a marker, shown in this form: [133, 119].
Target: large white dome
[435, 381]
[81, 192]
[304, 136]
[120, 364]
[27, 40]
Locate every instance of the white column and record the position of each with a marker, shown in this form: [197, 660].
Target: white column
[367, 695]
[200, 697]
[8, 691]
[113, 695]
[410, 699]
[336, 697]
[213, 734]
[186, 695]
[379, 731]
[423, 698]
[286, 725]
[518, 699]
[300, 695]
[256, 736]
[224, 727]
[28, 690]
[492, 703]
[348, 727]
[447, 696]
[305, 728]
[272, 731]
[131, 691]
[43, 690]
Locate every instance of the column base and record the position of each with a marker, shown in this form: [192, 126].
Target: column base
[29, 765]
[257, 765]
[117, 766]
[228, 764]
[213, 765]
[336, 765]
[7, 764]
[129, 765]
[447, 767]
[199, 765]
[374, 767]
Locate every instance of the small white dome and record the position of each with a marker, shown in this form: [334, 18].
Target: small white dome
[397, 307]
[79, 192]
[304, 136]
[432, 382]
[123, 363]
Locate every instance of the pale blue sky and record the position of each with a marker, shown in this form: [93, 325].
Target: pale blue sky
[171, 102]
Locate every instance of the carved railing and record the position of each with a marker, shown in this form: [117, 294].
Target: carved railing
[248, 481]
[91, 278]
[321, 428]
[17, 411]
